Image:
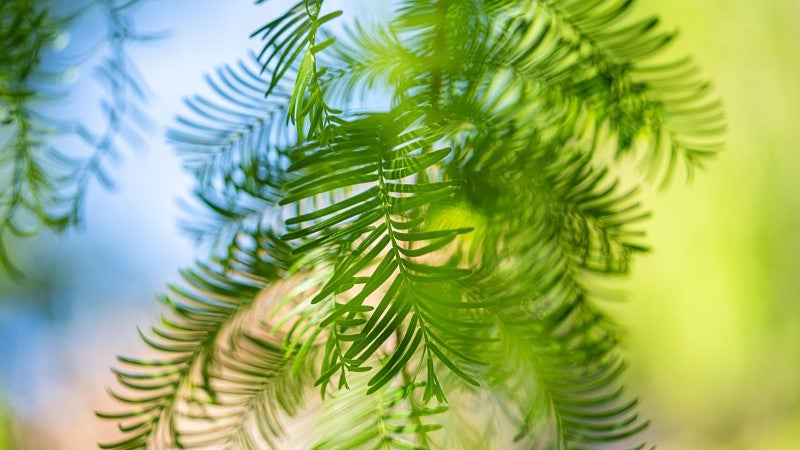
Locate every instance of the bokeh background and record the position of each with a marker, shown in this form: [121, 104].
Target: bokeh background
[713, 313]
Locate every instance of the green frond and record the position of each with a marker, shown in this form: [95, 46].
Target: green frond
[369, 59]
[561, 374]
[254, 387]
[377, 189]
[560, 377]
[287, 38]
[447, 242]
[633, 88]
[236, 131]
[26, 30]
[391, 418]
[586, 213]
[235, 147]
[584, 62]
[197, 369]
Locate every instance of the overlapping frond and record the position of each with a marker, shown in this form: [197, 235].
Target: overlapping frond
[451, 245]
[235, 147]
[255, 387]
[620, 69]
[587, 214]
[562, 370]
[561, 373]
[391, 418]
[205, 321]
[586, 60]
[379, 181]
[571, 395]
[287, 38]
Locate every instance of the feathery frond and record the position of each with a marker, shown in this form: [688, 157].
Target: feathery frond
[204, 337]
[383, 161]
[286, 38]
[391, 418]
[451, 245]
[236, 151]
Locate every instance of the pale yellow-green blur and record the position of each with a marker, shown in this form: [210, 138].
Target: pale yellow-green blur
[714, 313]
[4, 422]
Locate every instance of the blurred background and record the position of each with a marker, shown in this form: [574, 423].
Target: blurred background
[713, 313]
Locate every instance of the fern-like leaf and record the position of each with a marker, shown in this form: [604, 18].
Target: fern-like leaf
[391, 418]
[379, 166]
[201, 319]
[451, 245]
[234, 146]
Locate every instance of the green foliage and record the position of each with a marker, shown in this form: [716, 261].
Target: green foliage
[453, 244]
[43, 177]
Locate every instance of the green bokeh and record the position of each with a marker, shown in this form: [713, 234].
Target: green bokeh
[714, 312]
